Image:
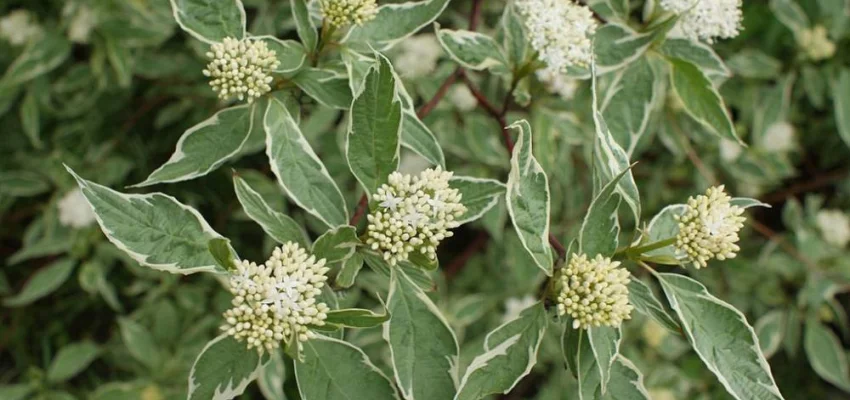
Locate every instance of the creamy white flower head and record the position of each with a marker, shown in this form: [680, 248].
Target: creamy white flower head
[82, 21]
[708, 228]
[463, 98]
[730, 150]
[515, 305]
[706, 19]
[241, 68]
[558, 83]
[816, 44]
[560, 31]
[276, 301]
[779, 138]
[340, 13]
[18, 27]
[74, 210]
[418, 55]
[834, 226]
[594, 292]
[413, 214]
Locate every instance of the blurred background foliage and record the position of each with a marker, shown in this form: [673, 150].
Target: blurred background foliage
[115, 85]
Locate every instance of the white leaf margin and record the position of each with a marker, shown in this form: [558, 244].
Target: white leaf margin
[197, 35]
[493, 201]
[229, 392]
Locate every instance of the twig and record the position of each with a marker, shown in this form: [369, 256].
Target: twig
[499, 116]
[441, 92]
[359, 211]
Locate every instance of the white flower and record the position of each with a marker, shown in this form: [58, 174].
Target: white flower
[418, 56]
[560, 31]
[413, 214]
[730, 150]
[82, 21]
[816, 43]
[708, 228]
[74, 210]
[276, 301]
[558, 83]
[594, 292]
[241, 68]
[515, 305]
[463, 98]
[340, 13]
[18, 27]
[706, 19]
[779, 138]
[834, 226]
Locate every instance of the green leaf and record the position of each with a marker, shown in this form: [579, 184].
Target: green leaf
[336, 370]
[121, 61]
[645, 302]
[722, 338]
[374, 129]
[134, 390]
[626, 382]
[510, 351]
[615, 46]
[272, 377]
[223, 253]
[701, 100]
[279, 226]
[42, 283]
[790, 14]
[773, 108]
[210, 21]
[415, 273]
[223, 370]
[697, 53]
[154, 229]
[601, 226]
[423, 347]
[825, 354]
[329, 88]
[755, 64]
[337, 244]
[395, 22]
[38, 58]
[299, 171]
[349, 270]
[290, 53]
[304, 24]
[605, 344]
[630, 100]
[71, 360]
[473, 50]
[140, 343]
[528, 199]
[664, 226]
[415, 135]
[770, 329]
[205, 146]
[841, 96]
[19, 391]
[22, 184]
[515, 40]
[356, 318]
[31, 119]
[478, 195]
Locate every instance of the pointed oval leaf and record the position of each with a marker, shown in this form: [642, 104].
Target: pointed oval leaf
[841, 95]
[630, 101]
[290, 53]
[279, 226]
[701, 99]
[478, 195]
[394, 22]
[223, 370]
[71, 360]
[38, 58]
[356, 318]
[304, 24]
[336, 244]
[473, 50]
[826, 355]
[210, 21]
[140, 343]
[645, 302]
[325, 86]
[42, 283]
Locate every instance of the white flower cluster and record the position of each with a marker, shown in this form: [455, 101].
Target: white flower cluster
[18, 27]
[594, 292]
[339, 13]
[462, 98]
[276, 301]
[779, 138]
[560, 31]
[418, 55]
[708, 228]
[706, 19]
[834, 226]
[74, 210]
[82, 20]
[413, 214]
[816, 44]
[558, 83]
[241, 68]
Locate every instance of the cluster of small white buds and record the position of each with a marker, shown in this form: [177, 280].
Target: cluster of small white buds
[19, 27]
[816, 44]
[339, 13]
[277, 301]
[708, 228]
[241, 68]
[560, 32]
[413, 214]
[706, 19]
[594, 292]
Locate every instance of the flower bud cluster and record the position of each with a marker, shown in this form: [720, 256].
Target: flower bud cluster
[413, 214]
[560, 31]
[241, 68]
[276, 301]
[708, 228]
[594, 292]
[339, 13]
[706, 19]
[558, 83]
[816, 44]
[18, 27]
